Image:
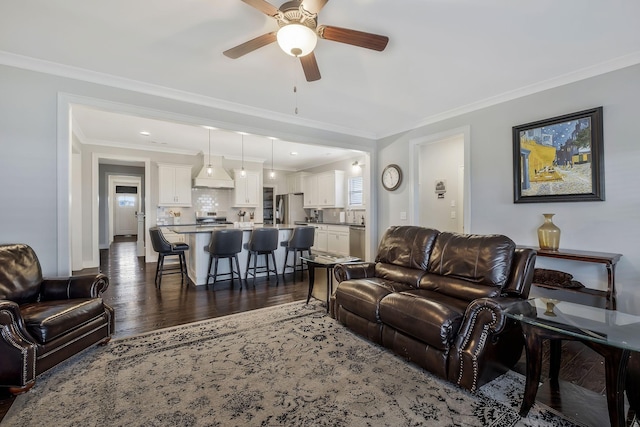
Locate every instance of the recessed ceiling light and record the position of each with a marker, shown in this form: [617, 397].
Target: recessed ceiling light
[293, 153]
[145, 133]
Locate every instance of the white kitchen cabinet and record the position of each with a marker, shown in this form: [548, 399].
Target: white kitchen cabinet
[324, 190]
[331, 189]
[174, 185]
[320, 238]
[338, 239]
[295, 182]
[310, 190]
[247, 189]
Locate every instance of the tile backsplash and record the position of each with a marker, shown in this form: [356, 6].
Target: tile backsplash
[202, 199]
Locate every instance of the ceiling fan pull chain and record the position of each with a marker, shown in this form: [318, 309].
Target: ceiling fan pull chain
[295, 91]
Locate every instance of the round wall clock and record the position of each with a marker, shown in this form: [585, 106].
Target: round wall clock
[391, 177]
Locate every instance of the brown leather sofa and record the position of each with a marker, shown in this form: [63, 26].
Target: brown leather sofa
[437, 299]
[45, 321]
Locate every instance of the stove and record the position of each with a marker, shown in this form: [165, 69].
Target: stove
[210, 218]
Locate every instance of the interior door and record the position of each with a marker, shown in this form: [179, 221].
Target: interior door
[126, 206]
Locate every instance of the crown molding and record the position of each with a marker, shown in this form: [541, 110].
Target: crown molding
[154, 147]
[77, 73]
[564, 79]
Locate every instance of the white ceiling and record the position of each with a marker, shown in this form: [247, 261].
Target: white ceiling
[443, 57]
[98, 127]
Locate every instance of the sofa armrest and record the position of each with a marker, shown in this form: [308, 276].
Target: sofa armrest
[521, 276]
[483, 319]
[84, 286]
[357, 270]
[17, 347]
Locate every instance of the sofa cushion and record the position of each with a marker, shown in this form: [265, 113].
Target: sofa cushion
[406, 246]
[362, 296]
[457, 288]
[482, 259]
[20, 273]
[48, 320]
[396, 273]
[426, 319]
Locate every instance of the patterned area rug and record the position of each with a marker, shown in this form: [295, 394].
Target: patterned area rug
[290, 365]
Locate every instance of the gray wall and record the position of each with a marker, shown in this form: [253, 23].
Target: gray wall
[29, 137]
[609, 226]
[28, 164]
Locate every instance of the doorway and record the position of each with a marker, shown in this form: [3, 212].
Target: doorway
[268, 205]
[440, 181]
[124, 205]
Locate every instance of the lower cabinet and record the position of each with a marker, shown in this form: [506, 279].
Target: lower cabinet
[332, 238]
[320, 239]
[338, 239]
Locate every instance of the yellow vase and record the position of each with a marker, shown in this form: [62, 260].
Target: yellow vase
[549, 234]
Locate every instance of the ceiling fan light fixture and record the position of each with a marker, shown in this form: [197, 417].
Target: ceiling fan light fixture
[297, 39]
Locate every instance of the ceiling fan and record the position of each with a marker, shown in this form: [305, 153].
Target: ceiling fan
[299, 32]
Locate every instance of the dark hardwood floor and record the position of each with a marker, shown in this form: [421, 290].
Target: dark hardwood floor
[141, 307]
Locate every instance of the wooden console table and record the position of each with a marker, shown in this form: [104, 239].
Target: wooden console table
[608, 259]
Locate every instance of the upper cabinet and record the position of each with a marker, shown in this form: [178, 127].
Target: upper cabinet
[247, 191]
[310, 190]
[174, 184]
[324, 190]
[331, 189]
[295, 182]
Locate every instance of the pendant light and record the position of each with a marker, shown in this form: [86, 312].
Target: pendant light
[242, 172]
[272, 174]
[209, 167]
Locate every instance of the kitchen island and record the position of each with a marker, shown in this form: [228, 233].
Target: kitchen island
[199, 236]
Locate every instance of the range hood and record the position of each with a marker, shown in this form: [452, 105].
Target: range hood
[219, 177]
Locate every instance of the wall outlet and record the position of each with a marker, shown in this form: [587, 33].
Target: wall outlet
[403, 216]
[453, 214]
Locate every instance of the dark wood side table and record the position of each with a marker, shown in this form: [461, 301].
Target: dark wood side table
[608, 259]
[612, 334]
[326, 261]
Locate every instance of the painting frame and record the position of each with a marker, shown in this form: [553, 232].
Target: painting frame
[538, 179]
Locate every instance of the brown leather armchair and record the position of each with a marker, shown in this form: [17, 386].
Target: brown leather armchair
[45, 320]
[438, 300]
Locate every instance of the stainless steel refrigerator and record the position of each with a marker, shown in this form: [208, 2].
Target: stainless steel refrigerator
[289, 209]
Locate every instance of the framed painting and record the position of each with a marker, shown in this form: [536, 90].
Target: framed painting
[559, 159]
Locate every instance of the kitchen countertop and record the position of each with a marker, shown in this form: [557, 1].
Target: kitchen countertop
[349, 224]
[196, 228]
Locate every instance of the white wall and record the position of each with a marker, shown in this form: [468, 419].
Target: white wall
[609, 226]
[441, 160]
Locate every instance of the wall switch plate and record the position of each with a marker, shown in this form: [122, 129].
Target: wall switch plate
[403, 215]
[453, 214]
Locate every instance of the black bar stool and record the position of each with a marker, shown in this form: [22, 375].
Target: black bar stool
[263, 241]
[164, 248]
[224, 244]
[300, 241]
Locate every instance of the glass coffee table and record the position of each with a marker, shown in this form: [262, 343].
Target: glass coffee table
[326, 261]
[611, 333]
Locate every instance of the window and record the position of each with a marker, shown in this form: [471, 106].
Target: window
[356, 191]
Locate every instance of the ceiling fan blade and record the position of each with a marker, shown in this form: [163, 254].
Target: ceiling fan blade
[313, 6]
[310, 67]
[250, 46]
[353, 37]
[263, 6]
